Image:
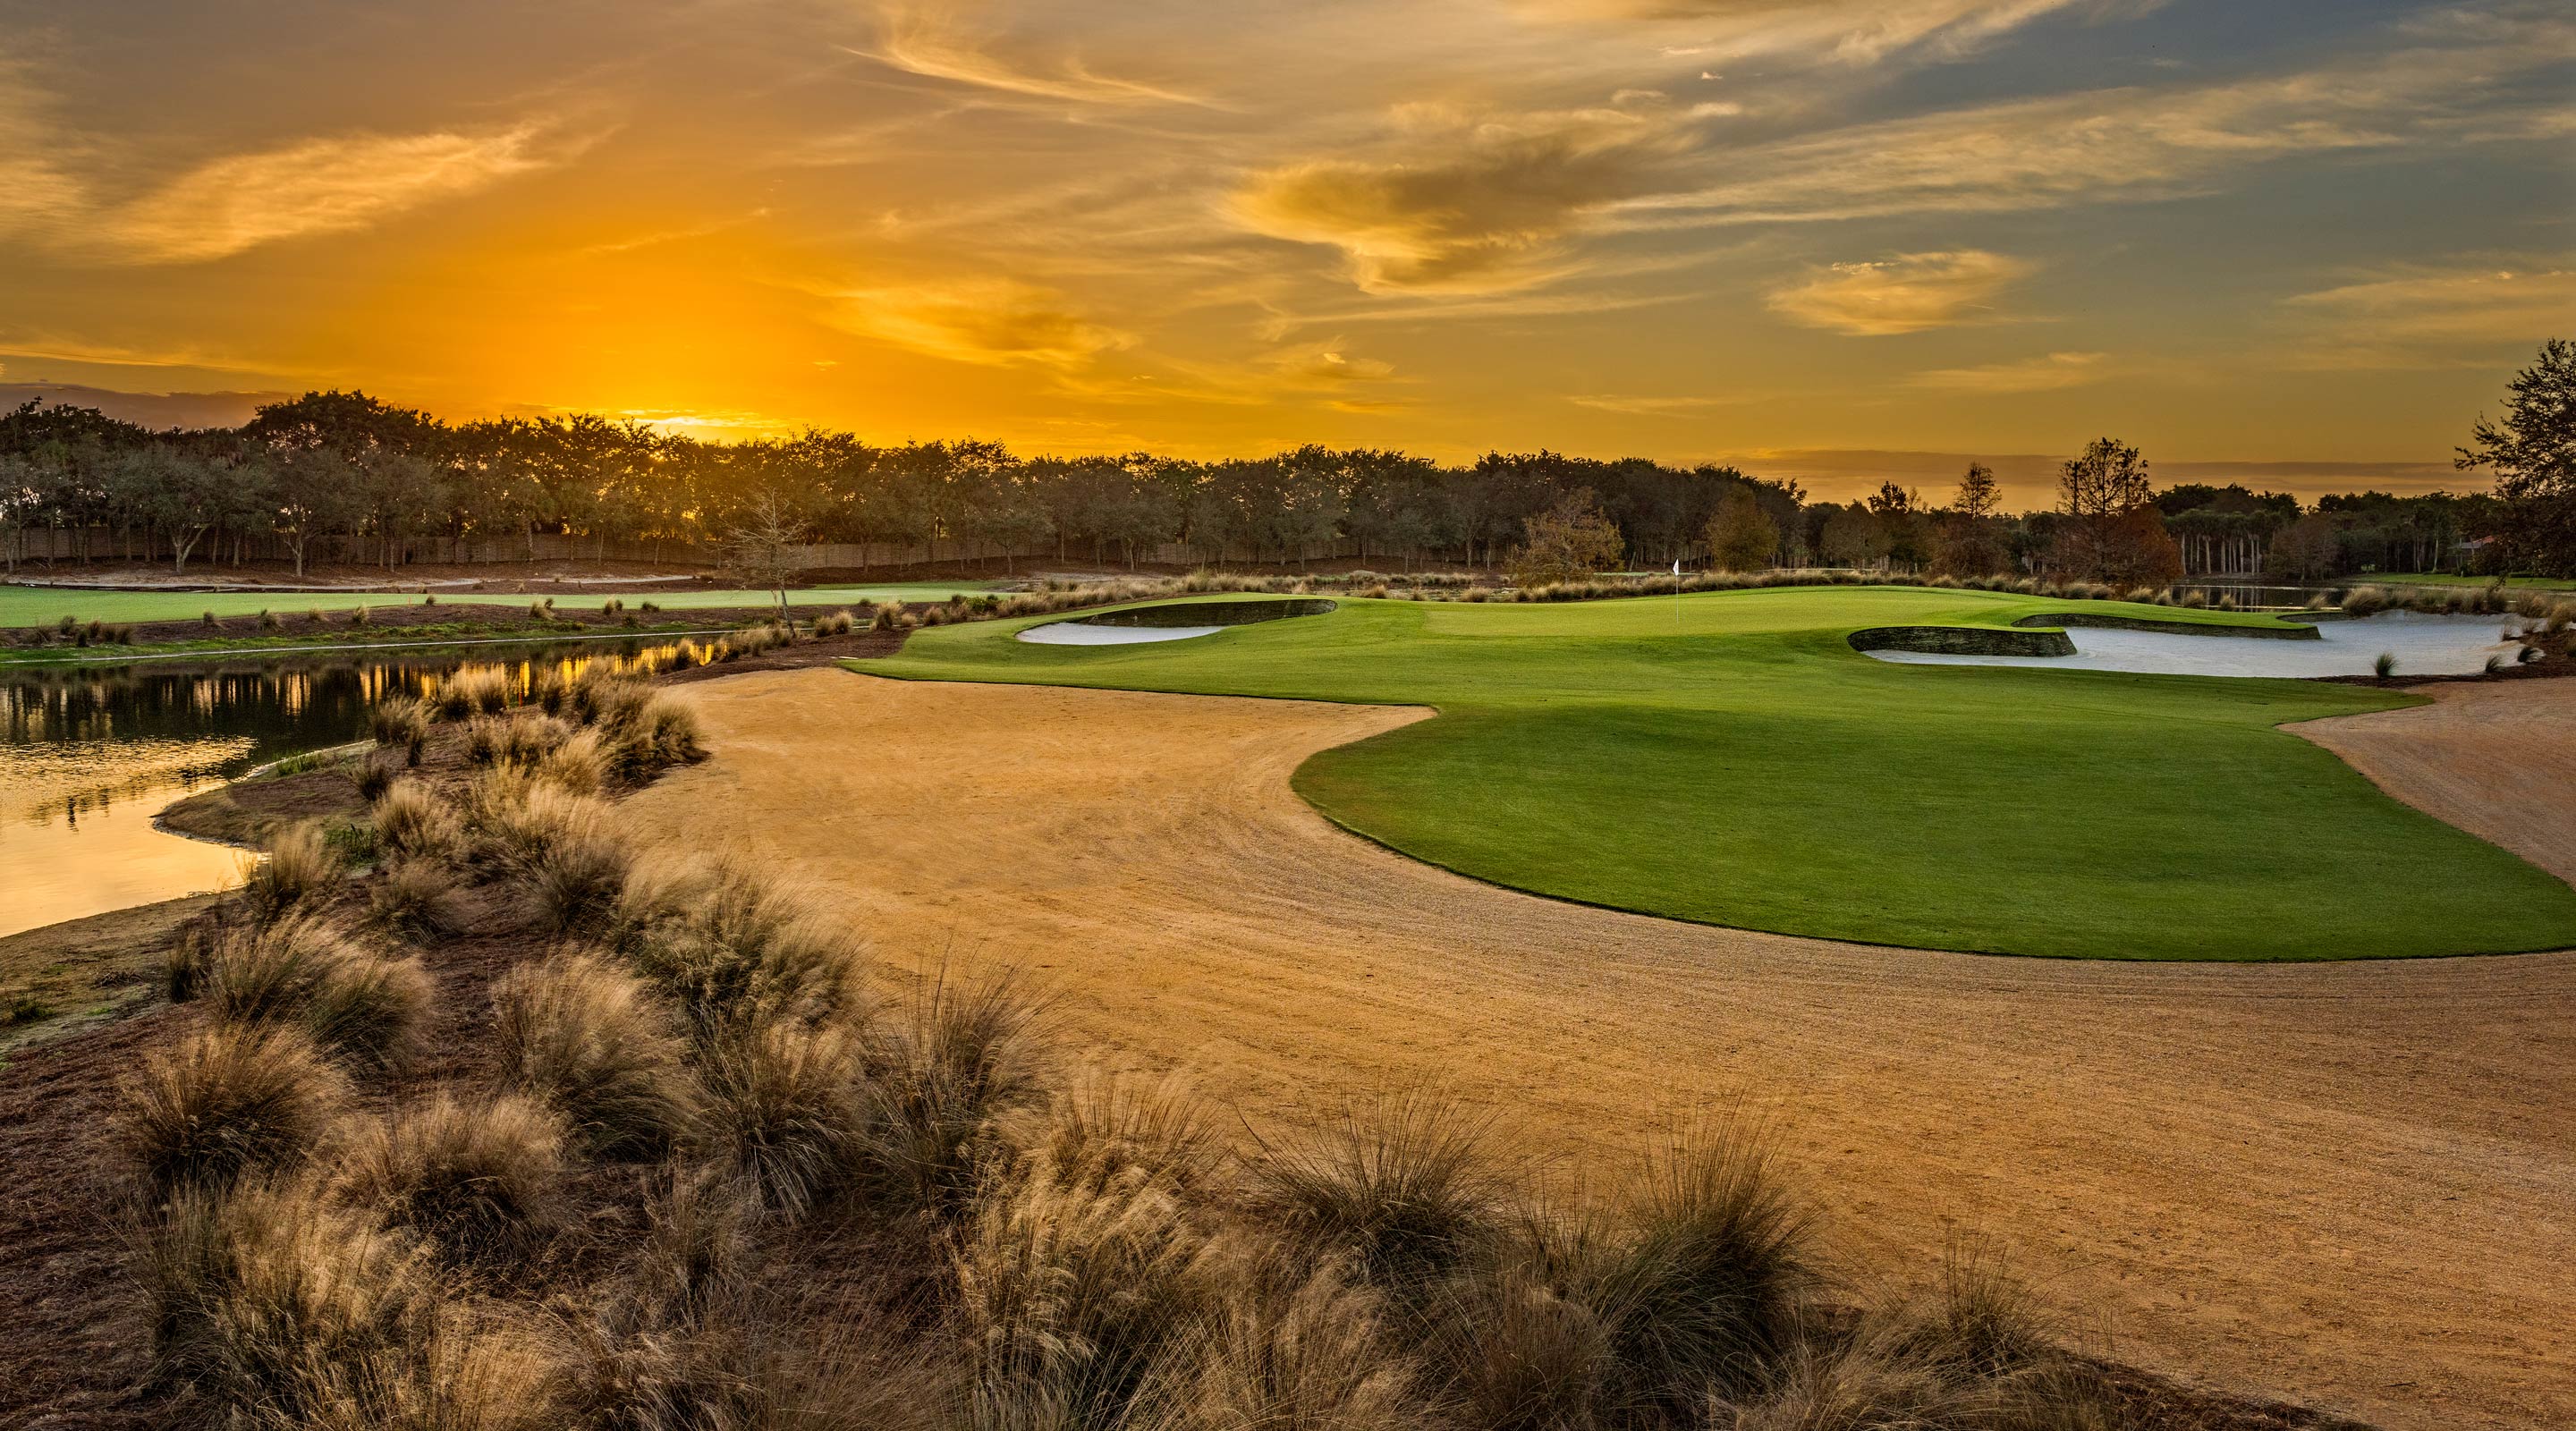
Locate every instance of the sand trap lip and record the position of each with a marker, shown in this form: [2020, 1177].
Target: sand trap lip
[2423, 645]
[2210, 1153]
[1169, 621]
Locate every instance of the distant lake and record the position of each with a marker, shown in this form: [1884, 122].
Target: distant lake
[89, 754]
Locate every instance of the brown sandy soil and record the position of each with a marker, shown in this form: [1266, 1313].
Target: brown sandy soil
[2491, 759]
[2347, 1185]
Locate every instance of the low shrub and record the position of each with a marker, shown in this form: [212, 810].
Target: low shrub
[483, 1180]
[373, 778]
[223, 1102]
[586, 1038]
[2384, 664]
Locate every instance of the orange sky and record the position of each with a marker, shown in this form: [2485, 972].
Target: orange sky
[2303, 242]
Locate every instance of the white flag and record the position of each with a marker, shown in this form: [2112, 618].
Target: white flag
[1677, 566]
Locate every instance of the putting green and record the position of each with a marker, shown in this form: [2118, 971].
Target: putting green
[43, 606]
[1728, 758]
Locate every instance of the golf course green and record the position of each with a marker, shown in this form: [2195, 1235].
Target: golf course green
[1728, 758]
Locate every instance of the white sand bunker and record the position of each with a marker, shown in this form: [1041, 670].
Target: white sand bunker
[1083, 633]
[2423, 645]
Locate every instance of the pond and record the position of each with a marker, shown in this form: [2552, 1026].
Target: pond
[2423, 645]
[1172, 621]
[90, 754]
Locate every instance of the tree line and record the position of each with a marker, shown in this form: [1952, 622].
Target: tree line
[371, 481]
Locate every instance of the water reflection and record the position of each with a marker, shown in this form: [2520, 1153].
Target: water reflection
[89, 755]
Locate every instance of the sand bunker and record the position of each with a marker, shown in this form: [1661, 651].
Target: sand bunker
[1168, 621]
[1083, 633]
[2424, 645]
[2492, 759]
[2344, 1183]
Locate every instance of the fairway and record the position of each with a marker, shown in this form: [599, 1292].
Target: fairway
[1728, 758]
[43, 606]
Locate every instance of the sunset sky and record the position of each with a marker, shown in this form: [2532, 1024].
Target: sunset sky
[2301, 241]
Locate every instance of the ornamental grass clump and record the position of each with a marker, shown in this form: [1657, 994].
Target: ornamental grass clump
[418, 898]
[299, 873]
[943, 1068]
[732, 948]
[363, 1006]
[587, 1039]
[482, 1179]
[1403, 1187]
[224, 1102]
[274, 1306]
[412, 819]
[784, 1104]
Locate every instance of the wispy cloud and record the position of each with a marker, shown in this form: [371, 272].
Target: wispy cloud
[1905, 294]
[1850, 33]
[1472, 203]
[2045, 373]
[2481, 85]
[2435, 317]
[37, 190]
[995, 321]
[931, 41]
[319, 186]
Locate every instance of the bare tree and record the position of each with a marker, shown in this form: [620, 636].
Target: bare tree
[766, 550]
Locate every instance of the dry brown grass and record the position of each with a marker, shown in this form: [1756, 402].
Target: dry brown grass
[273, 1307]
[412, 819]
[586, 1038]
[416, 898]
[785, 1102]
[1405, 1186]
[481, 1178]
[223, 1102]
[299, 873]
[362, 1005]
[733, 947]
[945, 1066]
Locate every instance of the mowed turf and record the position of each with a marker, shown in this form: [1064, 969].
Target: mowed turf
[43, 606]
[1730, 759]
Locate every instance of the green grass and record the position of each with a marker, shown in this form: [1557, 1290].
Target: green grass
[1738, 763]
[43, 606]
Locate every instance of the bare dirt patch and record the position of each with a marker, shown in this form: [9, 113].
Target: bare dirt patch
[2344, 1184]
[2491, 759]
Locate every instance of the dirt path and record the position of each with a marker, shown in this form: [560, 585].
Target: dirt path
[2349, 1185]
[2494, 760]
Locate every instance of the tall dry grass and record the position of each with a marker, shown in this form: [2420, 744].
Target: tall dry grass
[785, 1102]
[587, 1039]
[481, 1178]
[300, 872]
[945, 1066]
[359, 1003]
[732, 947]
[274, 1307]
[224, 1102]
